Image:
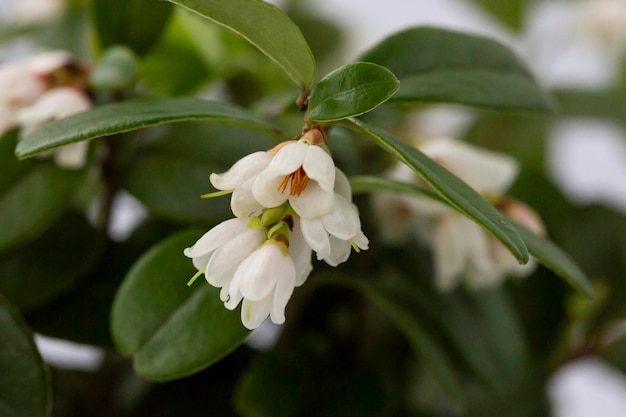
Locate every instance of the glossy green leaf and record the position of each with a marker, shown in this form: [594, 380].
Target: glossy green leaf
[122, 117]
[445, 66]
[41, 271]
[134, 23]
[458, 194]
[365, 184]
[24, 383]
[351, 90]
[172, 330]
[172, 171]
[34, 202]
[400, 311]
[267, 28]
[553, 258]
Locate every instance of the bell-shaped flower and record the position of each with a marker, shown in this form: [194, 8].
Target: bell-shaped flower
[462, 250]
[302, 173]
[332, 234]
[54, 104]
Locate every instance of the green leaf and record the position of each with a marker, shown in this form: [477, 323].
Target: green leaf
[41, 271]
[404, 316]
[134, 23]
[172, 171]
[365, 183]
[116, 70]
[510, 11]
[267, 28]
[553, 258]
[34, 202]
[172, 330]
[444, 66]
[351, 90]
[458, 194]
[598, 104]
[24, 383]
[122, 117]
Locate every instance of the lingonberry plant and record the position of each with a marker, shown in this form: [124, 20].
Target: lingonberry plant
[398, 274]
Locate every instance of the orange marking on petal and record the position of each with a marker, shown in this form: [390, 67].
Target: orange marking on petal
[297, 182]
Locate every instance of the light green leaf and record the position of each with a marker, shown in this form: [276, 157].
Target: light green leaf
[267, 28]
[122, 117]
[351, 90]
[24, 382]
[34, 202]
[445, 66]
[116, 70]
[133, 23]
[172, 330]
[400, 311]
[458, 194]
[510, 11]
[553, 258]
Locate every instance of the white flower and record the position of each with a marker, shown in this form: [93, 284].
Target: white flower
[332, 234]
[238, 257]
[302, 173]
[57, 103]
[240, 178]
[461, 248]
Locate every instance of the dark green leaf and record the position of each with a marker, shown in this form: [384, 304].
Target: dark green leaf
[34, 201]
[41, 271]
[267, 28]
[598, 104]
[10, 167]
[173, 170]
[444, 66]
[458, 194]
[552, 257]
[172, 330]
[24, 383]
[134, 23]
[122, 117]
[400, 311]
[351, 90]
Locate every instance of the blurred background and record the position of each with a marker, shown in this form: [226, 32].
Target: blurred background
[573, 163]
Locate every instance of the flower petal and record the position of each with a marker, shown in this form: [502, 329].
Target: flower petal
[449, 251]
[316, 237]
[339, 251]
[216, 237]
[254, 313]
[361, 241]
[284, 288]
[342, 185]
[265, 190]
[288, 159]
[300, 252]
[343, 220]
[225, 260]
[246, 168]
[242, 201]
[313, 202]
[319, 166]
[263, 269]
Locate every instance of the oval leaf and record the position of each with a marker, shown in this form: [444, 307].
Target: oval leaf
[399, 310]
[34, 202]
[351, 90]
[172, 330]
[127, 116]
[24, 383]
[267, 28]
[458, 194]
[445, 66]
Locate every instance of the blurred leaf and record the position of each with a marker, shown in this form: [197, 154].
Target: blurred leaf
[458, 194]
[34, 201]
[551, 256]
[172, 170]
[172, 330]
[133, 23]
[41, 270]
[11, 168]
[444, 66]
[24, 383]
[401, 311]
[597, 104]
[116, 70]
[174, 66]
[510, 12]
[122, 117]
[351, 90]
[267, 28]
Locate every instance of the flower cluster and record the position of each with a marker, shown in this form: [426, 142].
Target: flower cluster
[461, 248]
[42, 88]
[289, 201]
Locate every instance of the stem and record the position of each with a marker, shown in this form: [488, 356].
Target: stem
[111, 181]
